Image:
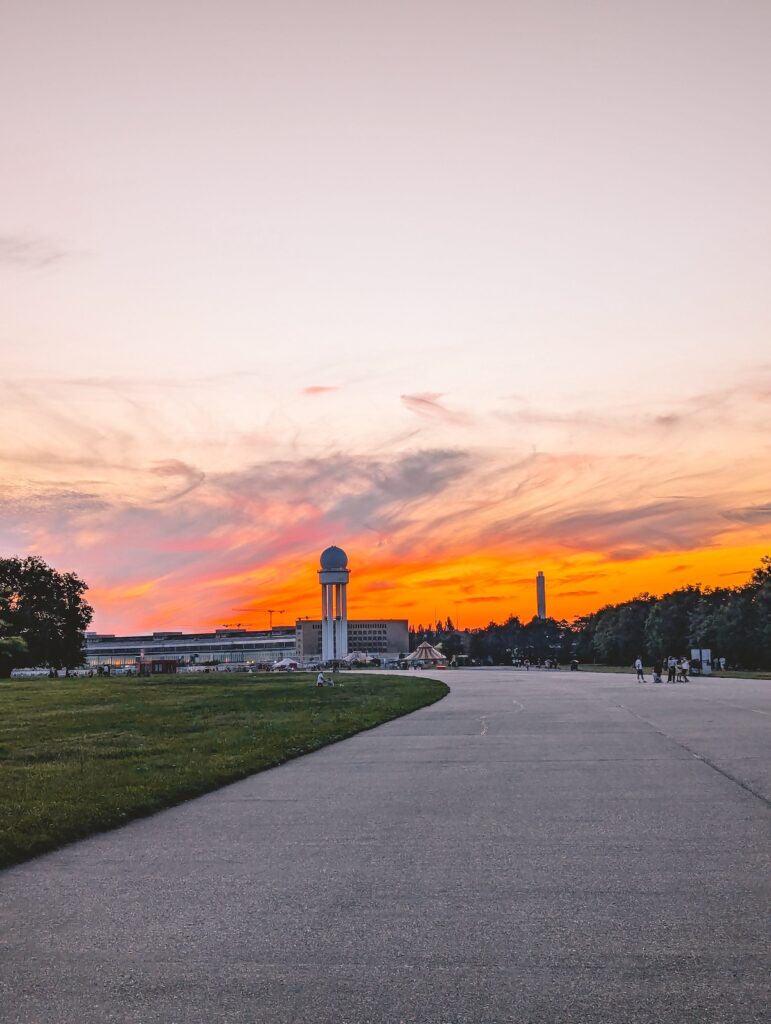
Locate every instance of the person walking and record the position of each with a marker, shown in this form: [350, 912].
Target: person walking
[640, 672]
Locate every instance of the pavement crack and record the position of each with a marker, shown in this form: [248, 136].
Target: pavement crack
[742, 783]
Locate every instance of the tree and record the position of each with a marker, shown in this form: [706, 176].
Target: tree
[759, 588]
[584, 628]
[619, 631]
[668, 629]
[12, 649]
[44, 608]
[544, 639]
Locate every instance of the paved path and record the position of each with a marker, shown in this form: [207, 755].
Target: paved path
[534, 848]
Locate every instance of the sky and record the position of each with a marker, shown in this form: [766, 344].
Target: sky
[471, 290]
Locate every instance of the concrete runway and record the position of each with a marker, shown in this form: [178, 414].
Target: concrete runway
[537, 847]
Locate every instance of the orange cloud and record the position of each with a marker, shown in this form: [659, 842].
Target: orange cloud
[180, 538]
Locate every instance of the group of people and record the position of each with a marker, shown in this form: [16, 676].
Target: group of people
[677, 670]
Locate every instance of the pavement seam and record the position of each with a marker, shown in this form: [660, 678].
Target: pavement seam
[742, 783]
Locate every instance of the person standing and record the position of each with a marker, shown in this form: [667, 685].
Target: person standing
[671, 669]
[639, 666]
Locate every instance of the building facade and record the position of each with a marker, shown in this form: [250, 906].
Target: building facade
[376, 637]
[237, 647]
[243, 648]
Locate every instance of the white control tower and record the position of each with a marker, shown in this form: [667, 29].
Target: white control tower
[333, 577]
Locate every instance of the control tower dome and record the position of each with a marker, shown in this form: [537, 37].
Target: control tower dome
[333, 559]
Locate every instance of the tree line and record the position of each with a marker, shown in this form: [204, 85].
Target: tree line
[733, 622]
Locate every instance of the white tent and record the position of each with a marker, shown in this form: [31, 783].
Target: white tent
[425, 654]
[286, 663]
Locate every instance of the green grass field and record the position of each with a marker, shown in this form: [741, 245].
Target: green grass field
[78, 756]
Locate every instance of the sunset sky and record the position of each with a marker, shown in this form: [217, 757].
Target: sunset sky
[468, 289]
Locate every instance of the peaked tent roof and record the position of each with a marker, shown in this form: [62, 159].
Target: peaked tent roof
[357, 656]
[425, 652]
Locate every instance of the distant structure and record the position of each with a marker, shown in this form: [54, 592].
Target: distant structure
[540, 592]
[386, 639]
[238, 649]
[333, 577]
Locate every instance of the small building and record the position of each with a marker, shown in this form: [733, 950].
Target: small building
[156, 666]
[378, 638]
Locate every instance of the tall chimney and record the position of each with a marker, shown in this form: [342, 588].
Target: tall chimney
[540, 593]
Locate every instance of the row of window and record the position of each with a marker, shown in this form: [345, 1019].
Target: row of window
[149, 650]
[381, 626]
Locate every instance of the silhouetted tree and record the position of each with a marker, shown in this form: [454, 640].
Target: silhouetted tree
[734, 623]
[46, 609]
[12, 648]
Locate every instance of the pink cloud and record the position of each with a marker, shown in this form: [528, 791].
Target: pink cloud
[428, 404]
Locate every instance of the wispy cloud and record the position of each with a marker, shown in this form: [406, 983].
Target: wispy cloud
[189, 477]
[180, 533]
[29, 252]
[428, 404]
[319, 389]
[752, 514]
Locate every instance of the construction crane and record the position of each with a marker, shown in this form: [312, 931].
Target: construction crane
[233, 625]
[274, 611]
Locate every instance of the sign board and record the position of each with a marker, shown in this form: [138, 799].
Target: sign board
[701, 660]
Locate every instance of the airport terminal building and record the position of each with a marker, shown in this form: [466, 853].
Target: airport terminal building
[244, 648]
[237, 647]
[310, 641]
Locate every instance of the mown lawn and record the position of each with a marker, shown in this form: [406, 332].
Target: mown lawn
[81, 755]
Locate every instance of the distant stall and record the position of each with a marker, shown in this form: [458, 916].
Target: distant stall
[156, 666]
[425, 654]
[285, 665]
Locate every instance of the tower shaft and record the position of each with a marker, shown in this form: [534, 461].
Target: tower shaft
[540, 593]
[334, 613]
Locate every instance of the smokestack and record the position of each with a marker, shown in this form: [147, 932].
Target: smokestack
[540, 593]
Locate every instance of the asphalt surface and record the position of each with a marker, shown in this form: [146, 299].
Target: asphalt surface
[537, 847]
